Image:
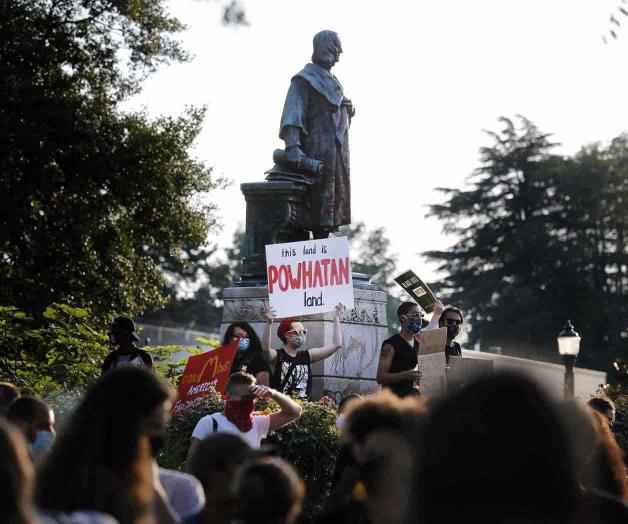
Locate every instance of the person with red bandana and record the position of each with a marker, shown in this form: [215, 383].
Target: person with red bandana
[237, 416]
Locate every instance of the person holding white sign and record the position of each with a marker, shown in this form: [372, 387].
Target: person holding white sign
[291, 365]
[398, 359]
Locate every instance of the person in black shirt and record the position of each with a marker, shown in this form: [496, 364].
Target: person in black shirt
[398, 358]
[122, 335]
[249, 357]
[291, 371]
[452, 318]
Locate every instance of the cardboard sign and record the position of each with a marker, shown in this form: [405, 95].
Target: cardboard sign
[309, 277]
[432, 362]
[417, 289]
[464, 370]
[201, 372]
[433, 341]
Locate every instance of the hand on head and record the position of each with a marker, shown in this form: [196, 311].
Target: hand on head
[261, 392]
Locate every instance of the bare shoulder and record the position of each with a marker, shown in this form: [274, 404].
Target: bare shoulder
[387, 351]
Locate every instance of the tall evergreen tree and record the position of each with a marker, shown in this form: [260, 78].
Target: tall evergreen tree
[540, 240]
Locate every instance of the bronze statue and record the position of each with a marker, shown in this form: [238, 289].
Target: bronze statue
[315, 128]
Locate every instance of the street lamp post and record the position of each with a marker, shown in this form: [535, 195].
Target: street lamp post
[569, 347]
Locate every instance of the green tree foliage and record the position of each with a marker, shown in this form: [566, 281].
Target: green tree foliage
[215, 270]
[371, 254]
[96, 202]
[59, 356]
[63, 354]
[541, 238]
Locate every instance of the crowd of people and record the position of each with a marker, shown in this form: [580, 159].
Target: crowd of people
[497, 450]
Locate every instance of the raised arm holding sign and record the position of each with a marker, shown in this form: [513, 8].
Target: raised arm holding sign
[290, 365]
[309, 277]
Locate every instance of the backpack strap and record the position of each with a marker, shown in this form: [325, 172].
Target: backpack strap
[214, 425]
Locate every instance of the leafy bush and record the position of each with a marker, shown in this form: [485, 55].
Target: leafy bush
[311, 445]
[58, 356]
[621, 421]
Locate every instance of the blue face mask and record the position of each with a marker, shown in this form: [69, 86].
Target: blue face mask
[244, 344]
[413, 325]
[43, 441]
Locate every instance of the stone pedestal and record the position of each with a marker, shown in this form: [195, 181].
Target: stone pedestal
[275, 213]
[353, 368]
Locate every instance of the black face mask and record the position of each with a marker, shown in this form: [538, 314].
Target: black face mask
[156, 444]
[452, 331]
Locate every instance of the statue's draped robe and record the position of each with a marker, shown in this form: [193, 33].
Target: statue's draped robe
[314, 105]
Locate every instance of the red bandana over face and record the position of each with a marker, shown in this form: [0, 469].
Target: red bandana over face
[240, 413]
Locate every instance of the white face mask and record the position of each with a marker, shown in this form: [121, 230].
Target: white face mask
[298, 340]
[42, 443]
[340, 422]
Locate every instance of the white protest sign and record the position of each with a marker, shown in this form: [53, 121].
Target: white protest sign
[309, 277]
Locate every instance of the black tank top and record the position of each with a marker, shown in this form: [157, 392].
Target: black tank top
[405, 358]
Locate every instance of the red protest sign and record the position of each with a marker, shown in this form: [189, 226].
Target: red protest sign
[201, 373]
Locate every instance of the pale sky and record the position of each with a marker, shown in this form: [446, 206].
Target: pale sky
[426, 77]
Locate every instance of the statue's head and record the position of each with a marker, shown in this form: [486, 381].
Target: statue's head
[327, 49]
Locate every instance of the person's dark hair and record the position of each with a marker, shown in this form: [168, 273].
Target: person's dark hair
[27, 409]
[255, 346]
[384, 411]
[496, 450]
[405, 307]
[88, 465]
[268, 490]
[343, 402]
[8, 394]
[15, 477]
[241, 378]
[602, 405]
[450, 309]
[217, 452]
